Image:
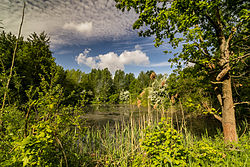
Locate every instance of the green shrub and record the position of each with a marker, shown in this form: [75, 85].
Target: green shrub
[205, 153]
[162, 146]
[36, 150]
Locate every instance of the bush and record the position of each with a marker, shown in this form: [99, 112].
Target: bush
[162, 146]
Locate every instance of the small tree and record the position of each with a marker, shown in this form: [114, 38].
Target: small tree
[213, 34]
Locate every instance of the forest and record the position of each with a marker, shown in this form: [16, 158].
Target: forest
[42, 103]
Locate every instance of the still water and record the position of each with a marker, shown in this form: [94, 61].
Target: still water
[98, 115]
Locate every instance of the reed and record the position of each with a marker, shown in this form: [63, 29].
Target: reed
[120, 144]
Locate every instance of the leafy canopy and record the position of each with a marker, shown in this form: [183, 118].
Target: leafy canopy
[193, 24]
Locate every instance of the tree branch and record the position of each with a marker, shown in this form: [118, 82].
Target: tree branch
[245, 102]
[219, 25]
[212, 22]
[231, 35]
[218, 95]
[241, 57]
[204, 51]
[13, 59]
[216, 82]
[218, 117]
[222, 73]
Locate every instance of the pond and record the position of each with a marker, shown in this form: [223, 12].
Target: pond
[98, 115]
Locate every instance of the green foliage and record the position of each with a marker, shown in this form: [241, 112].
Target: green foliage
[114, 99]
[36, 150]
[205, 152]
[162, 146]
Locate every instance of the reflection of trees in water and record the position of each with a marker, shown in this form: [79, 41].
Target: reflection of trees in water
[98, 115]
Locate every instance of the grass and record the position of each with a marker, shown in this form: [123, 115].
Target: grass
[120, 145]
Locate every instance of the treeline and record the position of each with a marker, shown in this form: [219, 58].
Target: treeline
[34, 63]
[99, 86]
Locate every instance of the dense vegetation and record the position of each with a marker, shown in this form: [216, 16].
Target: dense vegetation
[213, 36]
[41, 103]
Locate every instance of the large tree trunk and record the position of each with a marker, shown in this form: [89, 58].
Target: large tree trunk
[228, 113]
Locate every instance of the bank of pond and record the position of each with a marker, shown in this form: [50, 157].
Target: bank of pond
[123, 135]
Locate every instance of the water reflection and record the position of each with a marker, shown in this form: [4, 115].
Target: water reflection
[98, 115]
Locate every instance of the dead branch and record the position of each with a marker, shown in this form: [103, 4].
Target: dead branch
[13, 59]
[218, 95]
[239, 76]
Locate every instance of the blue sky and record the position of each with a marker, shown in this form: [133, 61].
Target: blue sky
[88, 34]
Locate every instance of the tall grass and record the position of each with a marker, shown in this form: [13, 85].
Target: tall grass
[120, 145]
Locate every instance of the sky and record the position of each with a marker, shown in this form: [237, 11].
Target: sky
[88, 34]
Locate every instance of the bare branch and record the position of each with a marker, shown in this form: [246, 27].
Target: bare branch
[245, 102]
[231, 35]
[218, 95]
[241, 57]
[218, 117]
[238, 76]
[13, 59]
[204, 51]
[216, 82]
[222, 73]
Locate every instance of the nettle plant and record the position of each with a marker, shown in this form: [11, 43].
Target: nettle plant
[162, 146]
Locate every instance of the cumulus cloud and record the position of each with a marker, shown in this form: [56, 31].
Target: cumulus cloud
[85, 27]
[135, 57]
[113, 61]
[84, 59]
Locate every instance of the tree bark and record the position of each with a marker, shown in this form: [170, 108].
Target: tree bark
[228, 113]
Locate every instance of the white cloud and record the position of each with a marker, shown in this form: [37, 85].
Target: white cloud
[85, 27]
[135, 57]
[138, 47]
[112, 61]
[84, 59]
[58, 19]
[162, 64]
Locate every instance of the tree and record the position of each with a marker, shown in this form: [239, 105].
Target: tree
[119, 80]
[144, 79]
[129, 78]
[33, 61]
[213, 34]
